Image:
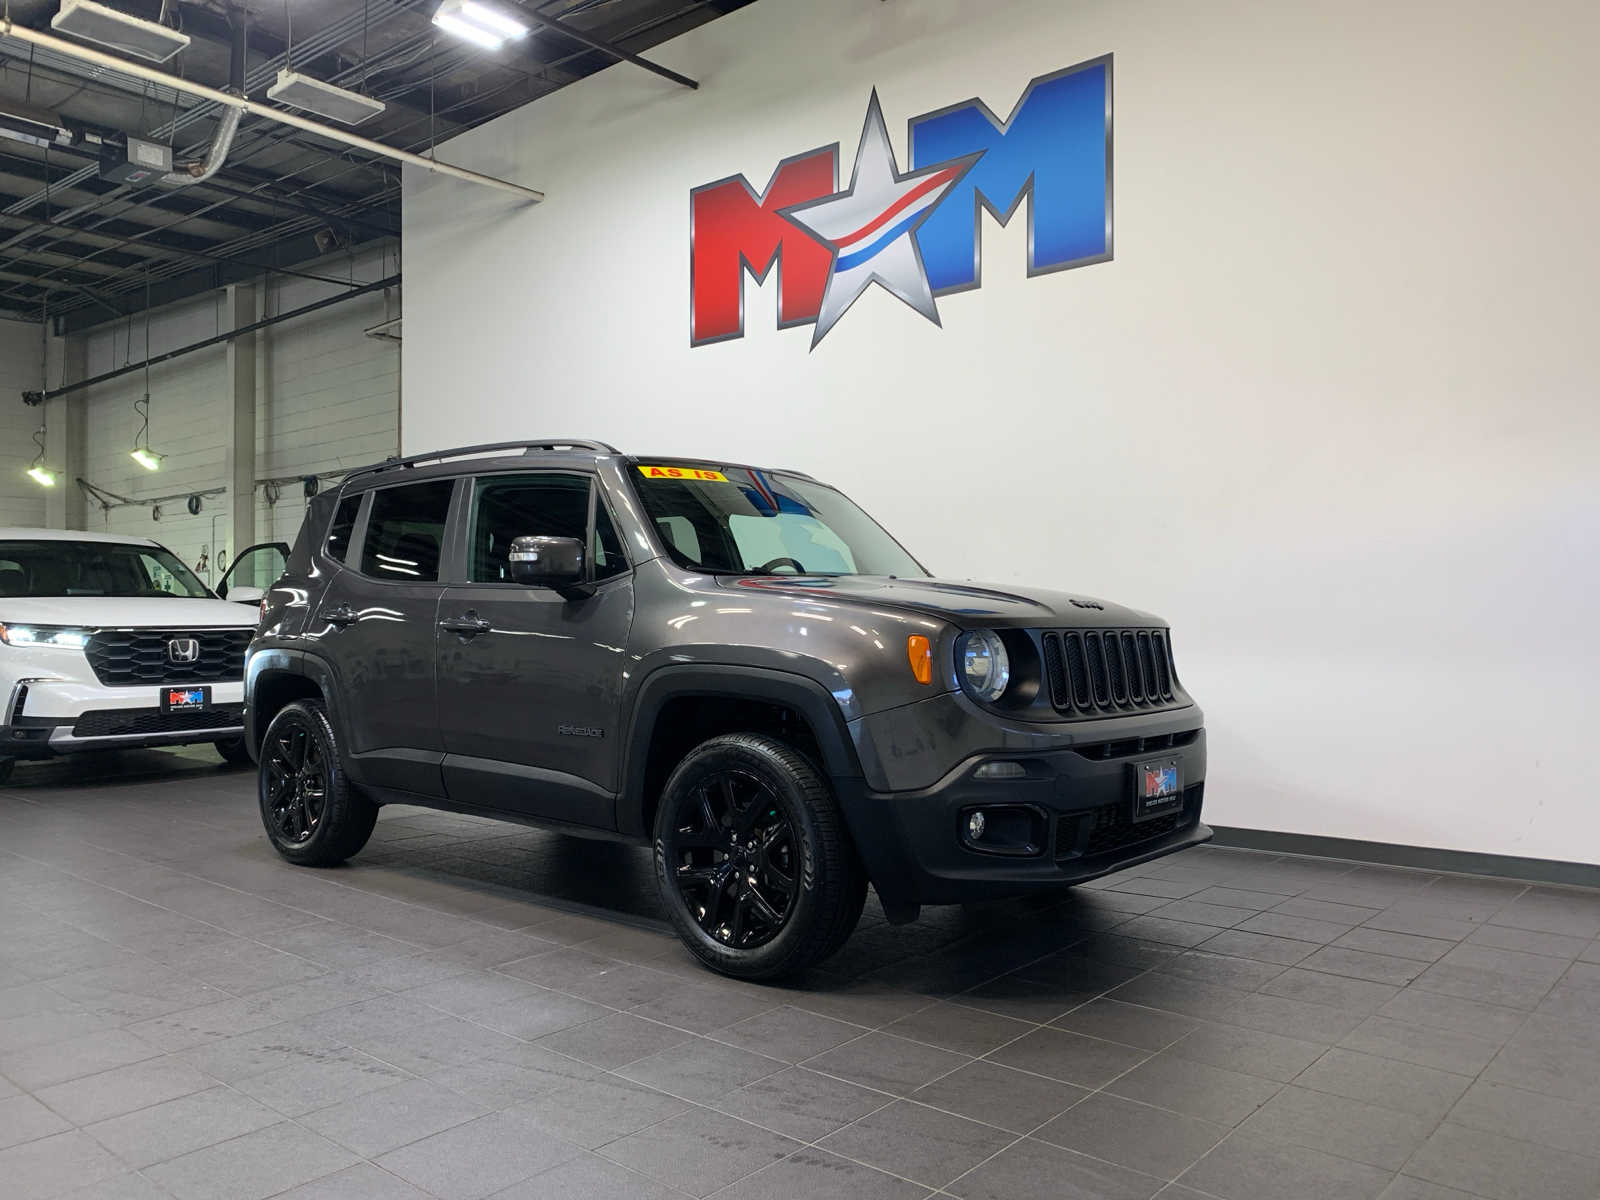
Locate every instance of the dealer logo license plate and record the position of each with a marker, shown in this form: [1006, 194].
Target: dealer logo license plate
[1158, 789]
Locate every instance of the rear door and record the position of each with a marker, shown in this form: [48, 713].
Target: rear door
[375, 626]
[529, 697]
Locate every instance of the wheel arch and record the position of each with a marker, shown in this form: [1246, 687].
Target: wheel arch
[275, 677]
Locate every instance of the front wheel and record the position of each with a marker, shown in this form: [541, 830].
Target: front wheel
[233, 751]
[313, 817]
[755, 866]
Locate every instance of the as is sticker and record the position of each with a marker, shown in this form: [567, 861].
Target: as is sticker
[703, 473]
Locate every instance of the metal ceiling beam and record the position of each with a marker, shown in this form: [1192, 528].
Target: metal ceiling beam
[611, 48]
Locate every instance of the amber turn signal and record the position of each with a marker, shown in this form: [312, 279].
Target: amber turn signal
[921, 656]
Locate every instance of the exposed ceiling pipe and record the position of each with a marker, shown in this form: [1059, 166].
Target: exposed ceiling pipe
[22, 33]
[189, 174]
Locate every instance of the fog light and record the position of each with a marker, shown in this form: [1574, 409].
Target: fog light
[975, 826]
[1001, 770]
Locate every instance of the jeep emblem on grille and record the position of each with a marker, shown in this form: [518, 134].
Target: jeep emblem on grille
[183, 650]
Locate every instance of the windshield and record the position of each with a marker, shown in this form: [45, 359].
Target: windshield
[59, 568]
[741, 521]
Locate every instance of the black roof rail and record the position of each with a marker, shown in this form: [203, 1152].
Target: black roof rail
[545, 444]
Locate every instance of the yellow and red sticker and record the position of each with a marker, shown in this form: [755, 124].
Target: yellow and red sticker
[705, 474]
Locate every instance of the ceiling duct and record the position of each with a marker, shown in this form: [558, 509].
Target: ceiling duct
[324, 99]
[227, 125]
[96, 23]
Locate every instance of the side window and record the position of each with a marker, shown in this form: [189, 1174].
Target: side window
[156, 577]
[506, 507]
[341, 527]
[405, 532]
[606, 547]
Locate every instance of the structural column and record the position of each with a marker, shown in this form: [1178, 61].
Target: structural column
[64, 421]
[241, 442]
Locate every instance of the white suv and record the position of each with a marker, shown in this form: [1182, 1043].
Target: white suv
[109, 642]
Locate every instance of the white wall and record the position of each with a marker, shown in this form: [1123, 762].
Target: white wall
[1348, 339]
[21, 369]
[326, 398]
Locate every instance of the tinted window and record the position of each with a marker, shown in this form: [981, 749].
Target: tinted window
[605, 550]
[342, 526]
[63, 568]
[405, 532]
[507, 507]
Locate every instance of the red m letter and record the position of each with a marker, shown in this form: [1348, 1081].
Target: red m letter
[732, 229]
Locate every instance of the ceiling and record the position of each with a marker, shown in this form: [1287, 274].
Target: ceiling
[78, 249]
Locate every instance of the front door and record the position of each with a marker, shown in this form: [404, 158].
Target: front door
[530, 681]
[255, 569]
[375, 625]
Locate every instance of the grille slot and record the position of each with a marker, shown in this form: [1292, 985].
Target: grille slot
[124, 657]
[1138, 745]
[1111, 827]
[1101, 672]
[134, 722]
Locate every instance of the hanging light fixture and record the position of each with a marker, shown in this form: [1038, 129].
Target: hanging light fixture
[37, 471]
[480, 23]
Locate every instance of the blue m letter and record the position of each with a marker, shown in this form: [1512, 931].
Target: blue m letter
[1053, 149]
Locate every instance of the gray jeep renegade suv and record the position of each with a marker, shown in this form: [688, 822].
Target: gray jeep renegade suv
[734, 664]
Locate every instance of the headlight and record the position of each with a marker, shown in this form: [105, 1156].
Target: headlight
[984, 664]
[44, 635]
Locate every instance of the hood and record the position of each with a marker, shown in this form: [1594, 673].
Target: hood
[969, 605]
[119, 612]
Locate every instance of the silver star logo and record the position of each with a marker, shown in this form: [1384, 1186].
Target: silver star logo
[869, 226]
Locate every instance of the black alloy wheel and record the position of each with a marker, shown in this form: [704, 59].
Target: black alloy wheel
[296, 778]
[735, 860]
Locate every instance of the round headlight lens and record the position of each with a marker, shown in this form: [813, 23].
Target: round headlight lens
[984, 664]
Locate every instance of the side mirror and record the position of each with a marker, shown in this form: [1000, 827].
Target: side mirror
[552, 562]
[245, 595]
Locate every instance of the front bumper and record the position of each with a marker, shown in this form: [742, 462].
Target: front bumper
[1078, 794]
[42, 717]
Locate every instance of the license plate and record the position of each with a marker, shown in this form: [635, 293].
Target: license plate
[1157, 789]
[183, 699]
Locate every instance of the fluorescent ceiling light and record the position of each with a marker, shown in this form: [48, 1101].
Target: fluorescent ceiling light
[315, 96]
[479, 23]
[146, 458]
[42, 477]
[96, 23]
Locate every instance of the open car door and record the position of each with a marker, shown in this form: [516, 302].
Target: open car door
[253, 571]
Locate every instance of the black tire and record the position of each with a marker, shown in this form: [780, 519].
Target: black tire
[5, 769]
[233, 751]
[721, 859]
[312, 815]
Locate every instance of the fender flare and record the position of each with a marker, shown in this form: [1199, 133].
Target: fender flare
[799, 692]
[278, 660]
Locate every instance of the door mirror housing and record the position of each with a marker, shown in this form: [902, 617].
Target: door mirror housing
[552, 562]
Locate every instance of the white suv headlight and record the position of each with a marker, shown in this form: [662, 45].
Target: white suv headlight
[44, 635]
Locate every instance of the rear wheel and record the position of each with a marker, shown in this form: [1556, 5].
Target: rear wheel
[233, 751]
[755, 866]
[312, 815]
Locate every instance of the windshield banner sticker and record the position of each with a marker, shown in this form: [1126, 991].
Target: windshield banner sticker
[918, 233]
[701, 473]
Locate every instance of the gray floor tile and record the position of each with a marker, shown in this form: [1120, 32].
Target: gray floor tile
[1234, 1048]
[817, 1175]
[1173, 993]
[477, 1159]
[364, 1181]
[1419, 1090]
[592, 1112]
[1326, 910]
[177, 1127]
[1530, 1116]
[1395, 945]
[24, 1119]
[588, 1177]
[1364, 964]
[1195, 1089]
[887, 1063]
[614, 1041]
[701, 1070]
[1152, 1140]
[1207, 966]
[1501, 1168]
[1085, 1061]
[48, 1167]
[1441, 1049]
[1167, 932]
[1018, 1101]
[328, 1079]
[699, 1151]
[959, 1028]
[392, 1117]
[251, 1167]
[1251, 1168]
[1239, 898]
[1335, 991]
[129, 1185]
[1286, 1016]
[1437, 1011]
[1406, 1187]
[1129, 1024]
[500, 1083]
[1528, 941]
[1034, 1170]
[801, 1104]
[123, 1089]
[702, 1009]
[1304, 929]
[1200, 912]
[789, 1033]
[1261, 947]
[1551, 1056]
[917, 1143]
[1340, 1126]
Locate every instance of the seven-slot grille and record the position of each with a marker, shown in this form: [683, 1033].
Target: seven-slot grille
[123, 657]
[1102, 672]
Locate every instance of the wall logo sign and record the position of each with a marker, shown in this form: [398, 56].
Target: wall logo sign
[915, 233]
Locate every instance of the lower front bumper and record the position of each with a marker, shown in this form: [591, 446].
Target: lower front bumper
[44, 717]
[1082, 808]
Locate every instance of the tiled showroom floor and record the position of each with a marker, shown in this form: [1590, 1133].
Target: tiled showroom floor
[475, 1009]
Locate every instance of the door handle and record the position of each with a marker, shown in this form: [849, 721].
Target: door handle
[468, 625]
[342, 616]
